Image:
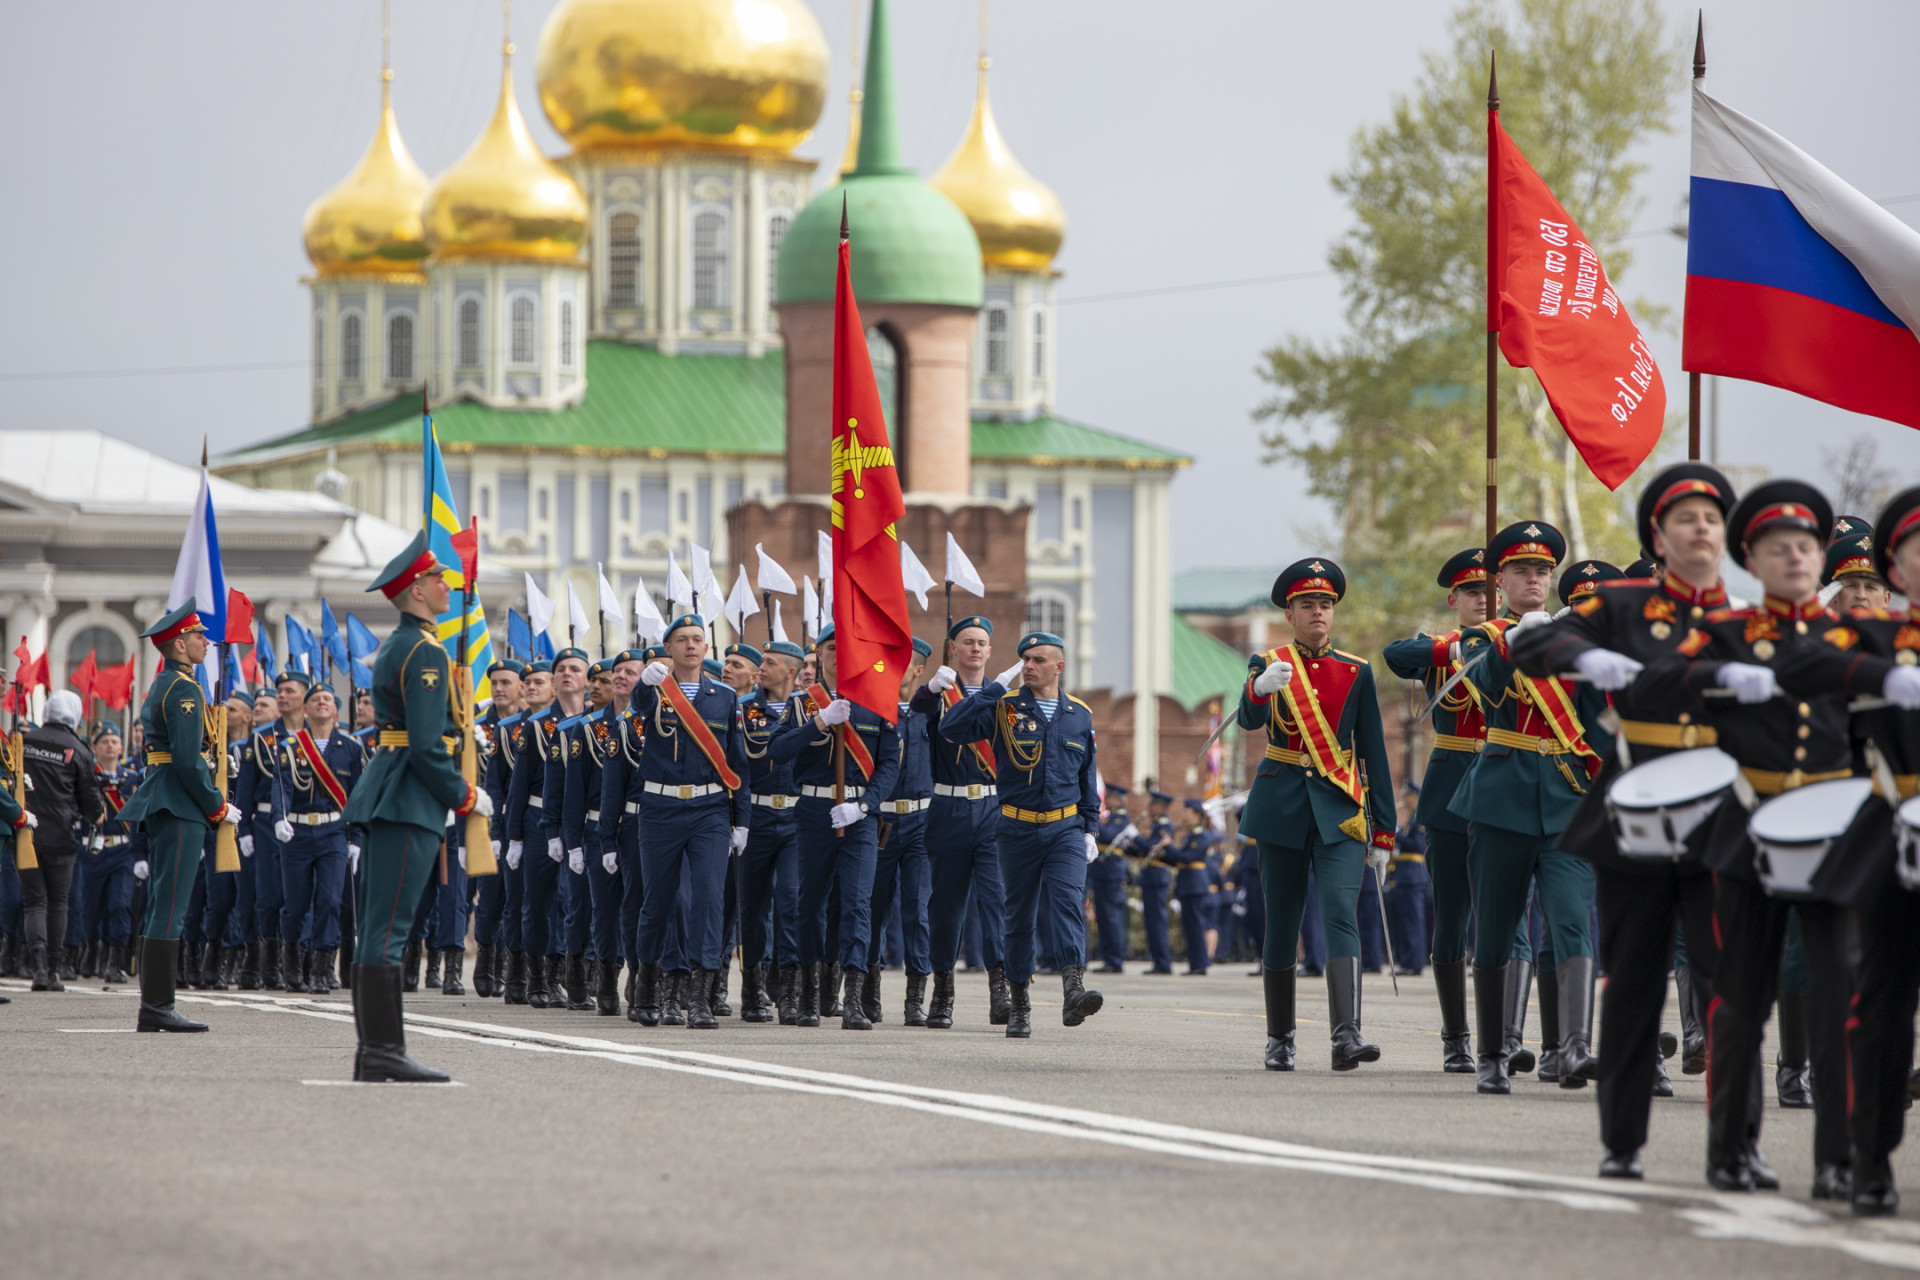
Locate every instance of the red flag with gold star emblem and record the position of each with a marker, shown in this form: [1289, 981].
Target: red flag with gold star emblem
[873, 639]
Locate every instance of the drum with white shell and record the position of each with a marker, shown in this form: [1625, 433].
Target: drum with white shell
[1793, 833]
[1655, 806]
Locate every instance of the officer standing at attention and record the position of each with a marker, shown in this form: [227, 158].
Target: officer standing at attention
[401, 803]
[901, 868]
[1192, 885]
[315, 771]
[1045, 759]
[1154, 848]
[176, 806]
[1107, 880]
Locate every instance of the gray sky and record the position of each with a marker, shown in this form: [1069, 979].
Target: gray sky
[158, 185]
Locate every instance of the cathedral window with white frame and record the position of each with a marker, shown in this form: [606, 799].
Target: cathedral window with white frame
[469, 333]
[1039, 343]
[623, 259]
[523, 337]
[400, 348]
[566, 333]
[1048, 611]
[998, 361]
[776, 233]
[711, 266]
[350, 347]
[319, 347]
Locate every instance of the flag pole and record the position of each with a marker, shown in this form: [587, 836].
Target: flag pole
[1493, 332]
[946, 646]
[1693, 379]
[766, 607]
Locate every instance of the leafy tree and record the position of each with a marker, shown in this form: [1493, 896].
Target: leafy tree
[1388, 421]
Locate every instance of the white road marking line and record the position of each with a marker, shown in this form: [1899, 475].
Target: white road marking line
[94, 1031]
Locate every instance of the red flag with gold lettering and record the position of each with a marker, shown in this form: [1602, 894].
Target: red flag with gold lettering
[872, 636]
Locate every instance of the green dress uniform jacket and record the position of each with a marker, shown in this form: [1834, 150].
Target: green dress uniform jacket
[179, 781]
[1289, 797]
[1456, 724]
[412, 777]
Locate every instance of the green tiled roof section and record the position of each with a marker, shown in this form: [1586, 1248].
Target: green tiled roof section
[1222, 590]
[1204, 668]
[1011, 440]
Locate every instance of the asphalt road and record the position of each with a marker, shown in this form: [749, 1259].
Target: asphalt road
[1147, 1142]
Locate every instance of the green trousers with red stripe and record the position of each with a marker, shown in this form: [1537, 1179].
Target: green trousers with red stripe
[174, 847]
[394, 866]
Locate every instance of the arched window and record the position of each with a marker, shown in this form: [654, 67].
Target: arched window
[566, 334]
[885, 358]
[998, 363]
[400, 349]
[101, 642]
[1039, 344]
[776, 232]
[1049, 612]
[623, 260]
[350, 347]
[711, 274]
[521, 347]
[470, 333]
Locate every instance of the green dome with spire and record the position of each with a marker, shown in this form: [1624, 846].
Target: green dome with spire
[910, 243]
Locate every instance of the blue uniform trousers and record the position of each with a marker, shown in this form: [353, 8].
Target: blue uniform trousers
[9, 892]
[901, 872]
[489, 907]
[1045, 867]
[1410, 911]
[576, 900]
[219, 925]
[769, 893]
[449, 925]
[730, 908]
[632, 886]
[1331, 874]
[173, 869]
[683, 843]
[963, 855]
[313, 874]
[970, 932]
[77, 934]
[1193, 927]
[1107, 879]
[1155, 884]
[539, 886]
[269, 887]
[108, 904]
[603, 897]
[1447, 867]
[836, 872]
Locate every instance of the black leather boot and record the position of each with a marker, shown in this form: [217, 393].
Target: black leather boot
[673, 996]
[515, 987]
[940, 1012]
[156, 989]
[645, 1009]
[1622, 1164]
[1662, 1082]
[1456, 1040]
[296, 979]
[790, 976]
[250, 968]
[998, 996]
[1490, 1022]
[1551, 1035]
[915, 1012]
[578, 1000]
[116, 967]
[541, 993]
[410, 966]
[1343, 998]
[45, 978]
[321, 969]
[1077, 1004]
[853, 1013]
[1019, 1013]
[382, 1055]
[830, 980]
[9, 956]
[1278, 984]
[699, 987]
[483, 972]
[456, 959]
[1693, 1023]
[1873, 1192]
[606, 996]
[1833, 1182]
[63, 961]
[270, 976]
[1577, 1063]
[633, 981]
[89, 966]
[1792, 1077]
[808, 978]
[1520, 1059]
[210, 979]
[717, 994]
[433, 969]
[870, 995]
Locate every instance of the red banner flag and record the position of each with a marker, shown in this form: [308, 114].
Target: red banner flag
[37, 675]
[114, 685]
[250, 668]
[466, 544]
[239, 618]
[1549, 299]
[84, 679]
[872, 636]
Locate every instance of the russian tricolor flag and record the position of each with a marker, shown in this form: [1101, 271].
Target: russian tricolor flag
[1794, 278]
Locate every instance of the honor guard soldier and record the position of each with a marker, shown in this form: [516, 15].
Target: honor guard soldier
[489, 916]
[1154, 874]
[536, 854]
[1193, 887]
[571, 778]
[599, 736]
[1045, 761]
[961, 826]
[253, 794]
[1782, 744]
[1608, 637]
[516, 756]
[1107, 880]
[315, 770]
[1311, 806]
[1458, 735]
[1542, 755]
[693, 811]
[901, 867]
[769, 870]
[1582, 578]
[118, 847]
[1877, 655]
[176, 806]
[401, 802]
[1850, 563]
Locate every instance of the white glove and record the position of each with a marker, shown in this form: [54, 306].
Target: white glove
[29, 781]
[737, 838]
[1538, 618]
[1127, 832]
[480, 738]
[943, 679]
[1006, 678]
[839, 711]
[555, 850]
[496, 850]
[655, 673]
[33, 820]
[353, 858]
[463, 857]
[283, 831]
[1902, 687]
[1606, 669]
[611, 861]
[513, 855]
[97, 844]
[230, 815]
[482, 802]
[845, 815]
[246, 846]
[1093, 847]
[1748, 682]
[1377, 858]
[577, 861]
[140, 869]
[1277, 676]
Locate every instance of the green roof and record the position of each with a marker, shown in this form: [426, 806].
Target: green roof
[1223, 590]
[1204, 668]
[639, 401]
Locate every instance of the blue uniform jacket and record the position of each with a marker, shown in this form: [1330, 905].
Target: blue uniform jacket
[118, 787]
[297, 787]
[669, 756]
[527, 791]
[1192, 872]
[915, 780]
[253, 790]
[591, 740]
[620, 778]
[1041, 764]
[811, 751]
[954, 764]
[761, 718]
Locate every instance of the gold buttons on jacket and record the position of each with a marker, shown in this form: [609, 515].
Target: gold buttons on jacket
[1799, 753]
[1805, 730]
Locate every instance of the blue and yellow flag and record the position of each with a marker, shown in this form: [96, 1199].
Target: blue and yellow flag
[442, 522]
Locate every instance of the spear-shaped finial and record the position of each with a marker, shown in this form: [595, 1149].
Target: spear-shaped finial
[203, 451]
[1493, 82]
[843, 217]
[1700, 47]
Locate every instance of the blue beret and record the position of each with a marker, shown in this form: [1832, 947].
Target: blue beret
[319, 686]
[601, 667]
[1198, 806]
[294, 674]
[571, 652]
[1115, 789]
[712, 667]
[685, 620]
[1033, 638]
[540, 666]
[961, 624]
[787, 648]
[746, 651]
[106, 729]
[653, 653]
[629, 655]
[922, 648]
[513, 665]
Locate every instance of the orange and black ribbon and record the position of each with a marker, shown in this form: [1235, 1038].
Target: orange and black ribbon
[702, 734]
[982, 749]
[848, 734]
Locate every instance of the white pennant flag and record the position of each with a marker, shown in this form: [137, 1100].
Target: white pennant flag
[679, 590]
[779, 632]
[653, 627]
[824, 556]
[609, 598]
[740, 604]
[809, 608]
[960, 570]
[576, 615]
[772, 577]
[539, 608]
[913, 575]
[711, 602]
[703, 580]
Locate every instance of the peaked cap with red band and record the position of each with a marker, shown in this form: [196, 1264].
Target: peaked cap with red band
[1899, 520]
[1680, 481]
[180, 622]
[1527, 540]
[1849, 558]
[1315, 576]
[1583, 578]
[1464, 569]
[407, 568]
[1779, 504]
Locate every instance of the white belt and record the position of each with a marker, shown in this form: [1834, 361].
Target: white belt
[826, 793]
[693, 792]
[776, 802]
[632, 806]
[113, 842]
[263, 808]
[905, 806]
[593, 815]
[972, 791]
[312, 819]
[535, 802]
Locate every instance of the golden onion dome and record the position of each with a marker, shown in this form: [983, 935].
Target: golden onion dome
[1019, 221]
[370, 223]
[743, 74]
[504, 199]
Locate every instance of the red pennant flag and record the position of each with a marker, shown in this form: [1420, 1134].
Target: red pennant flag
[114, 686]
[250, 668]
[84, 678]
[1549, 299]
[467, 544]
[872, 636]
[37, 676]
[21, 657]
[239, 618]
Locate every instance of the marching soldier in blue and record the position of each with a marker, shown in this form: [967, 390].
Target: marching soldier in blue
[263, 890]
[693, 809]
[489, 966]
[597, 735]
[770, 864]
[1107, 880]
[1192, 887]
[1458, 736]
[518, 760]
[559, 883]
[902, 864]
[176, 806]
[1154, 874]
[1314, 805]
[1045, 759]
[401, 802]
[117, 847]
[315, 769]
[739, 671]
[530, 848]
[839, 841]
